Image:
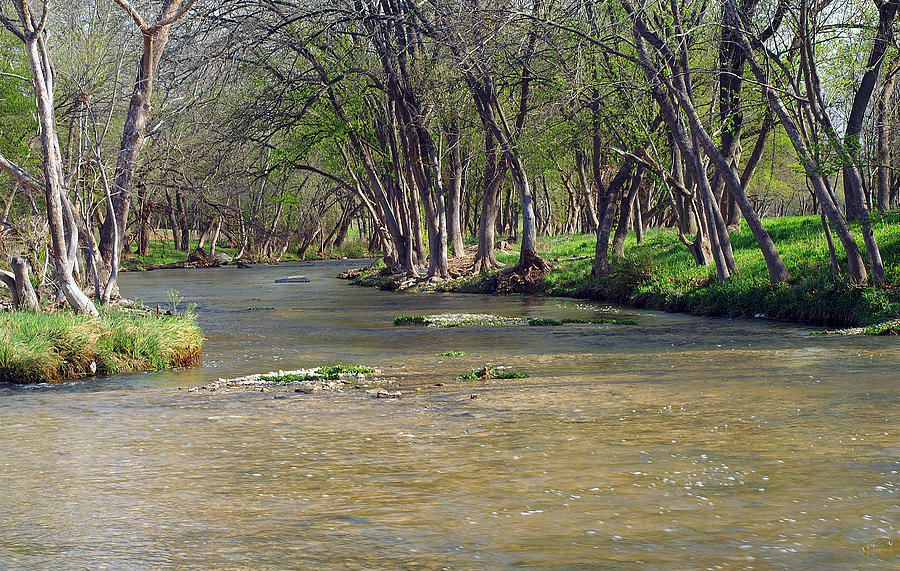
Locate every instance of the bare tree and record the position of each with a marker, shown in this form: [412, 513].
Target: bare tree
[29, 27]
[155, 35]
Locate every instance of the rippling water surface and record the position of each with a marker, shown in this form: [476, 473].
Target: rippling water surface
[682, 442]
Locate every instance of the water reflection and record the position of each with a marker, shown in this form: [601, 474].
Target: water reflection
[679, 443]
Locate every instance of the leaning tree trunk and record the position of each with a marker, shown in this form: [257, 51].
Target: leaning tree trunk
[155, 37]
[683, 94]
[855, 268]
[853, 184]
[54, 189]
[608, 204]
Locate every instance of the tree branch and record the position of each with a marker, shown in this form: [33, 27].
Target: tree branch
[174, 18]
[20, 174]
[129, 9]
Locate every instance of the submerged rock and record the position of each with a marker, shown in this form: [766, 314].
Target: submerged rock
[292, 280]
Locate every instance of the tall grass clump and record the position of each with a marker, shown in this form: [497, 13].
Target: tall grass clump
[52, 347]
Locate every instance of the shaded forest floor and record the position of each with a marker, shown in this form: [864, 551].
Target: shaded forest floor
[661, 274]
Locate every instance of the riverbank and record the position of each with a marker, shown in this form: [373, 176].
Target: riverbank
[54, 347]
[661, 274]
[164, 256]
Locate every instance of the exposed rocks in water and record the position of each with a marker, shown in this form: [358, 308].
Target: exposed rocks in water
[486, 319]
[383, 394]
[489, 372]
[293, 280]
[304, 381]
[886, 328]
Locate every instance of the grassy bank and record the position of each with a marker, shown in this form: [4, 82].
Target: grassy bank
[163, 253]
[47, 348]
[661, 274]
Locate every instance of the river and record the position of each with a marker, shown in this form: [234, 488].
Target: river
[680, 442]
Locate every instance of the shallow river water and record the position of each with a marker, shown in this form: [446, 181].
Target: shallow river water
[682, 442]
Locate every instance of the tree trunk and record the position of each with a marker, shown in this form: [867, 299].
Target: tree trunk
[19, 284]
[854, 194]
[173, 222]
[586, 193]
[494, 174]
[682, 92]
[454, 196]
[625, 212]
[856, 269]
[183, 222]
[155, 38]
[853, 183]
[883, 128]
[608, 205]
[62, 248]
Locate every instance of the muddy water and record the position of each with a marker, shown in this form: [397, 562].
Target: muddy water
[682, 442]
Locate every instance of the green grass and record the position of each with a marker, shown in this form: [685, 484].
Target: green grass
[450, 354]
[490, 372]
[661, 274]
[48, 348]
[291, 378]
[163, 252]
[332, 372]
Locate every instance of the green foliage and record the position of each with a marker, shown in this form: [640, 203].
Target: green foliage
[291, 378]
[328, 373]
[332, 372]
[450, 354]
[410, 320]
[543, 321]
[490, 372]
[17, 119]
[886, 328]
[46, 348]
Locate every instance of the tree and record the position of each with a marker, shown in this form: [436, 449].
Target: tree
[155, 35]
[29, 27]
